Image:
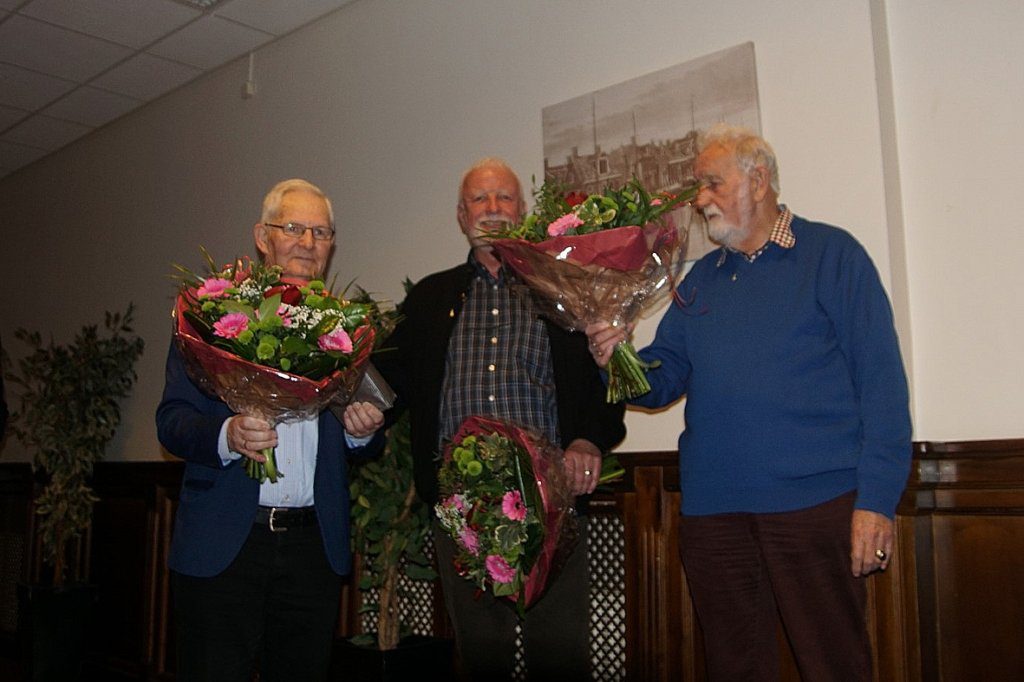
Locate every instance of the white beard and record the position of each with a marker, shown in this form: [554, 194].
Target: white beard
[720, 231]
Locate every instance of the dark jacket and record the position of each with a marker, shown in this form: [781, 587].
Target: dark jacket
[413, 362]
[218, 503]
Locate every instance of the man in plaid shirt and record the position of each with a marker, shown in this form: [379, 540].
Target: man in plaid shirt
[468, 345]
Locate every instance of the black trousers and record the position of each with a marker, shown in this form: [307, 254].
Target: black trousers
[555, 631]
[745, 571]
[273, 609]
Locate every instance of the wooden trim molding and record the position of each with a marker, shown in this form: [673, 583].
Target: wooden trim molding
[950, 606]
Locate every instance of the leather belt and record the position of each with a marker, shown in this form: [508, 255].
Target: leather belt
[280, 519]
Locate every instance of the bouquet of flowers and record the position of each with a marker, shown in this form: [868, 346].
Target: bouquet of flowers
[281, 350]
[506, 503]
[605, 256]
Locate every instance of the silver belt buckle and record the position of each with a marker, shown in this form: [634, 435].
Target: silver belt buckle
[273, 529]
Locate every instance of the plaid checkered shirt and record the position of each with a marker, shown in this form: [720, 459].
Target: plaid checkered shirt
[499, 361]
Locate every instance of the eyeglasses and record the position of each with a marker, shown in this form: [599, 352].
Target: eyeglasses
[321, 233]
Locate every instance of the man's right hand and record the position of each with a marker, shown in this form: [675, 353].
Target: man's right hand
[604, 337]
[249, 435]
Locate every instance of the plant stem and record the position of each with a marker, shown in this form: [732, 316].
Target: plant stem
[263, 471]
[387, 614]
[627, 374]
[270, 466]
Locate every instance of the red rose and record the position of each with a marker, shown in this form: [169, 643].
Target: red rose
[290, 293]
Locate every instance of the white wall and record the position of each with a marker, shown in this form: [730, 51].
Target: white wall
[386, 101]
[958, 74]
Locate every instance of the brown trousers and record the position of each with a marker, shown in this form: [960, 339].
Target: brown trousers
[745, 571]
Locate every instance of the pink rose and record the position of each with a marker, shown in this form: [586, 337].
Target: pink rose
[564, 224]
[213, 287]
[470, 540]
[655, 202]
[336, 340]
[231, 325]
[499, 570]
[512, 506]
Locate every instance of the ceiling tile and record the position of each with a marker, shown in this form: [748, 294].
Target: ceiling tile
[17, 155]
[135, 23]
[10, 115]
[29, 90]
[146, 77]
[209, 42]
[45, 132]
[59, 52]
[90, 106]
[278, 17]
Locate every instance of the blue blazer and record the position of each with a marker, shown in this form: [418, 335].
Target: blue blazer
[218, 503]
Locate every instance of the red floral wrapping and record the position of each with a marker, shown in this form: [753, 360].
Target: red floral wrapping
[613, 275]
[253, 389]
[557, 517]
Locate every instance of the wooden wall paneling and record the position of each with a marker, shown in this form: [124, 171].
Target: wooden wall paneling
[128, 564]
[971, 601]
[891, 596]
[979, 568]
[658, 634]
[923, 583]
[163, 646]
[950, 607]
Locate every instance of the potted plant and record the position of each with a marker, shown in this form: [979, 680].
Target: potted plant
[390, 526]
[68, 412]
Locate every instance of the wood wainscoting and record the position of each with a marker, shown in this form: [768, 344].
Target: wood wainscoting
[950, 607]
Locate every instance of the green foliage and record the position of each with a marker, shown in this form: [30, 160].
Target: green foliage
[630, 204]
[68, 412]
[390, 525]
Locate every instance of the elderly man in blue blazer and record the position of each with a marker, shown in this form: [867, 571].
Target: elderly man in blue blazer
[256, 568]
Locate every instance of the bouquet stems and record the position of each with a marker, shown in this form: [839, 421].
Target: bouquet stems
[611, 469]
[264, 471]
[627, 373]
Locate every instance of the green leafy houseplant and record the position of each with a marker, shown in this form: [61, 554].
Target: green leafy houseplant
[390, 525]
[68, 411]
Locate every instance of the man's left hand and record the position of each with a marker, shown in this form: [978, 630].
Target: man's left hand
[362, 419]
[582, 466]
[871, 537]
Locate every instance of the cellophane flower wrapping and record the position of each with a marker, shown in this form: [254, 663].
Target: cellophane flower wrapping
[613, 275]
[609, 256]
[506, 503]
[259, 390]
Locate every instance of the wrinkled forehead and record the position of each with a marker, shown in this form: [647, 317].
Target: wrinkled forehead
[303, 206]
[715, 160]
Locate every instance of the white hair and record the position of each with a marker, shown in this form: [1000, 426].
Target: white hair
[750, 149]
[272, 202]
[490, 162]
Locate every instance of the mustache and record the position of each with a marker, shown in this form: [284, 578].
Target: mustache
[489, 219]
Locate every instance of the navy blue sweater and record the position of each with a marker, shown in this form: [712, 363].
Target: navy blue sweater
[795, 387]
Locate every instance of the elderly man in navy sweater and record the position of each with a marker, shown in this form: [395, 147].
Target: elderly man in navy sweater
[797, 441]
